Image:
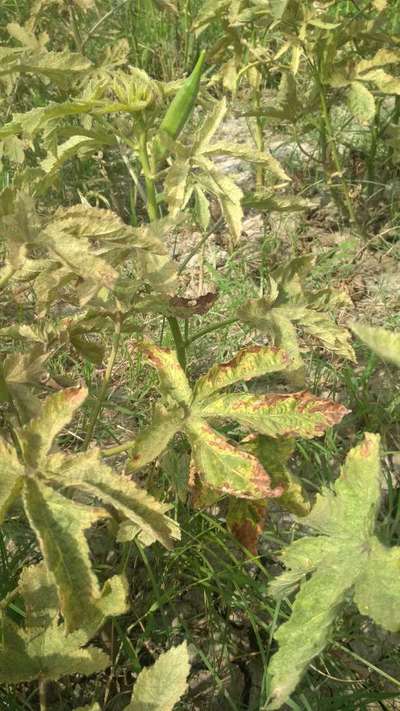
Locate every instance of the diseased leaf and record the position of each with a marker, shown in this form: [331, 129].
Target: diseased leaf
[346, 558]
[245, 520]
[161, 686]
[173, 381]
[273, 455]
[289, 305]
[153, 440]
[59, 524]
[279, 415]
[56, 412]
[12, 472]
[385, 344]
[227, 468]
[90, 474]
[249, 363]
[42, 648]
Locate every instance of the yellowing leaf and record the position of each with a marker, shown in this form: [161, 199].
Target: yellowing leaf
[346, 558]
[173, 381]
[10, 478]
[59, 524]
[56, 412]
[42, 648]
[161, 686]
[273, 455]
[385, 344]
[279, 415]
[227, 468]
[251, 362]
[90, 474]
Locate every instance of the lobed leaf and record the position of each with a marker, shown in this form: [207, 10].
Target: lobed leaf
[346, 558]
[90, 474]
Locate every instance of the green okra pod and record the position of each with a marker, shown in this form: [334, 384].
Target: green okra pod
[179, 110]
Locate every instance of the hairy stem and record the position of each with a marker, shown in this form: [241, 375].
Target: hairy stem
[104, 386]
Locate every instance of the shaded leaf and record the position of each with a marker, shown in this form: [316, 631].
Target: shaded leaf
[245, 520]
[361, 102]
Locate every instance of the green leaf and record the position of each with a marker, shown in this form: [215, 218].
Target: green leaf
[385, 344]
[361, 102]
[277, 415]
[251, 362]
[347, 558]
[161, 686]
[227, 468]
[90, 474]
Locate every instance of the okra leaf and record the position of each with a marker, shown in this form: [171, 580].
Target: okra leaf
[278, 415]
[153, 440]
[361, 102]
[56, 412]
[226, 467]
[251, 362]
[59, 524]
[42, 648]
[245, 520]
[161, 686]
[386, 344]
[346, 558]
[173, 381]
[274, 455]
[90, 474]
[11, 478]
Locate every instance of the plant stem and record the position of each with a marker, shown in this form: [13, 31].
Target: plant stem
[106, 381]
[209, 329]
[151, 196]
[118, 448]
[180, 345]
[43, 694]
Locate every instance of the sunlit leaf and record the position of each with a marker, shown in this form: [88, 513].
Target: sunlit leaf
[161, 686]
[386, 344]
[347, 558]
